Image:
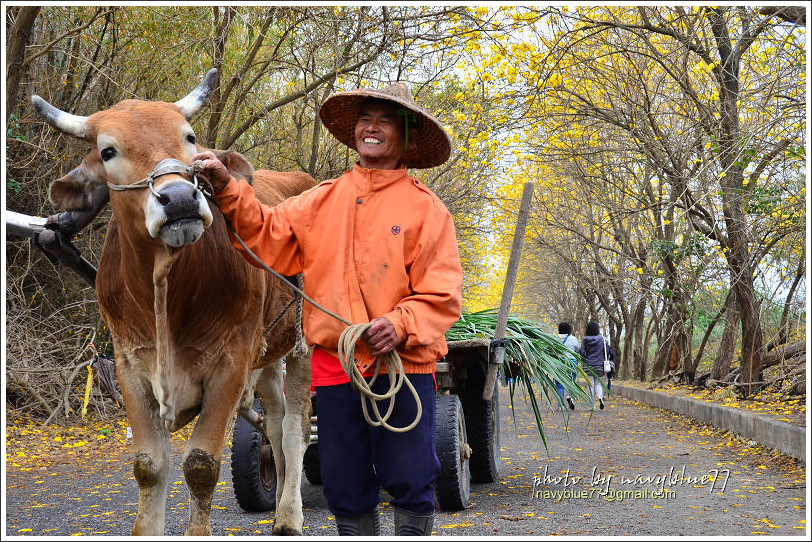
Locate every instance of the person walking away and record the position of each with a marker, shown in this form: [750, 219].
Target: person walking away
[566, 337]
[594, 349]
[374, 245]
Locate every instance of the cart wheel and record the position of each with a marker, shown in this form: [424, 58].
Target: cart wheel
[453, 485]
[312, 465]
[253, 470]
[482, 422]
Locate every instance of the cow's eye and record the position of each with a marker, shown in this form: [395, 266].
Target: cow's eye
[191, 138]
[107, 153]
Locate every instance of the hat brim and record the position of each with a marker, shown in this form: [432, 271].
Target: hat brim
[339, 114]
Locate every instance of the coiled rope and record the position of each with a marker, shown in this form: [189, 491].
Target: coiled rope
[346, 350]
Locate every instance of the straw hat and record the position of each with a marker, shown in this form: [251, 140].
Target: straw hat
[339, 113]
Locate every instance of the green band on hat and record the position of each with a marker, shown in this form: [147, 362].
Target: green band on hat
[407, 116]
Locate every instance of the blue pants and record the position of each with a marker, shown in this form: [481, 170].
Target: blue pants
[358, 459]
[561, 387]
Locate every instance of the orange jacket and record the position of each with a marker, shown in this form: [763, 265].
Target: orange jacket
[371, 243]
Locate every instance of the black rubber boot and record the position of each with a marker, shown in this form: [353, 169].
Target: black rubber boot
[367, 524]
[410, 524]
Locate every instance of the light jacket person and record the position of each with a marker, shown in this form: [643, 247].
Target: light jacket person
[568, 339]
[377, 246]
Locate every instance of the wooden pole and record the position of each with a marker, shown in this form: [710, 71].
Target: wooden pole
[498, 348]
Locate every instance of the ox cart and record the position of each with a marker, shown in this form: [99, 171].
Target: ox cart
[467, 436]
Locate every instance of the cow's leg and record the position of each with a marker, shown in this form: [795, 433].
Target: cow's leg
[270, 389]
[294, 437]
[246, 406]
[151, 446]
[203, 450]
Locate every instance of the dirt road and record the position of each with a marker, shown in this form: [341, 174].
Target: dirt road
[627, 470]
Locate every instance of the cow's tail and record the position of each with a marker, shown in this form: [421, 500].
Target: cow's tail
[162, 382]
[300, 346]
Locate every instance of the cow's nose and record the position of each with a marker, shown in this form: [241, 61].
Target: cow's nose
[178, 200]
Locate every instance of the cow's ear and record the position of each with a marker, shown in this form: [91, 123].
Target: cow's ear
[79, 190]
[238, 166]
[67, 192]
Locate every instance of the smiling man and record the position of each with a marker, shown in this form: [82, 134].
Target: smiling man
[377, 246]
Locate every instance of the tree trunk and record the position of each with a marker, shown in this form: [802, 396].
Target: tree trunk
[671, 350]
[733, 200]
[783, 332]
[727, 348]
[665, 341]
[639, 353]
[632, 330]
[780, 355]
[222, 23]
[751, 338]
[683, 355]
[651, 331]
[706, 336]
[17, 39]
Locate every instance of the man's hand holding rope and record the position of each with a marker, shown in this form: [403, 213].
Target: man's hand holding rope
[380, 337]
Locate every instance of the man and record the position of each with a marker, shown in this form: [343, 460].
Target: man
[377, 246]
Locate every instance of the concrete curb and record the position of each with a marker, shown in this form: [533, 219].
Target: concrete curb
[787, 437]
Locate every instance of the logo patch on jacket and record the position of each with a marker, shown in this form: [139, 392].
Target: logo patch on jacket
[395, 230]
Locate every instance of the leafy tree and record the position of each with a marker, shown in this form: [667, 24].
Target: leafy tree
[705, 99]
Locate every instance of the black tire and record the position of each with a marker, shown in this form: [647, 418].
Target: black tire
[453, 485]
[312, 464]
[253, 470]
[482, 424]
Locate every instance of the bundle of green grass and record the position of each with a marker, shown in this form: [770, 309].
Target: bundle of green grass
[534, 359]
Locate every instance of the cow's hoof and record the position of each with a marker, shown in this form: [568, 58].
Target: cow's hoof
[198, 530]
[286, 530]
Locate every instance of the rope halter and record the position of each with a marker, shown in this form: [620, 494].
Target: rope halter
[164, 167]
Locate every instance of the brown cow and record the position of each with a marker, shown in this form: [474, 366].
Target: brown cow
[189, 317]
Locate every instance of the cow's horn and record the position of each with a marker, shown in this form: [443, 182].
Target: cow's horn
[194, 100]
[65, 122]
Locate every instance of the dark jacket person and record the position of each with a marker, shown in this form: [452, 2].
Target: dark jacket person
[594, 349]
